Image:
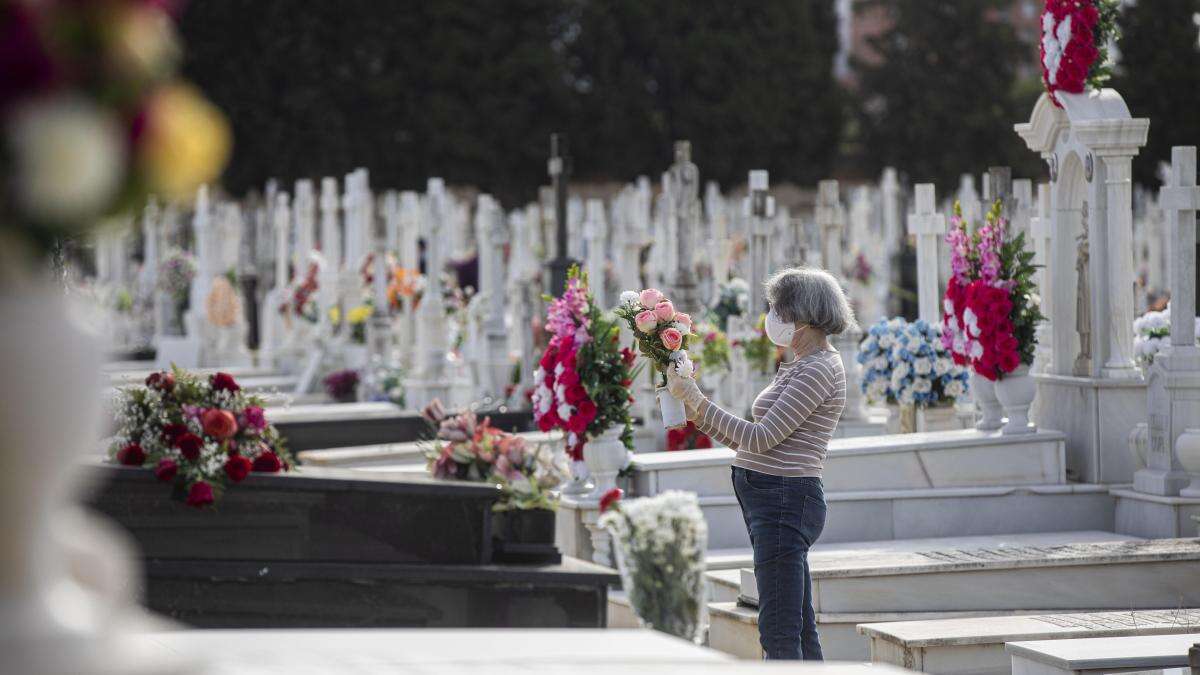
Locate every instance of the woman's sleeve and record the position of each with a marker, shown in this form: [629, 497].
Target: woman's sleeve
[799, 397]
[712, 432]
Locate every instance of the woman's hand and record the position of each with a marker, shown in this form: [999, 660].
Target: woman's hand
[684, 389]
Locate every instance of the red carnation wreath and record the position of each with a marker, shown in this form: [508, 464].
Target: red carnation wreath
[1074, 54]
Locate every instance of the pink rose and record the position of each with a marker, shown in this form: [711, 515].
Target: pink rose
[650, 297]
[219, 424]
[664, 310]
[646, 321]
[671, 338]
[684, 319]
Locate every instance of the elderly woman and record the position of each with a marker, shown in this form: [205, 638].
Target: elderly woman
[777, 471]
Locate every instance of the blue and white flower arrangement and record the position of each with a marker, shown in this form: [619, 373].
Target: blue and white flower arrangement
[905, 363]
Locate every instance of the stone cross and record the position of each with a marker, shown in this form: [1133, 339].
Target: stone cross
[303, 207]
[1173, 388]
[429, 380]
[719, 244]
[148, 279]
[831, 218]
[684, 183]
[207, 261]
[559, 169]
[929, 227]
[759, 206]
[594, 229]
[1042, 231]
[391, 219]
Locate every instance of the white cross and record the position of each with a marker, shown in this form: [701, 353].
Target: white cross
[928, 226]
[1180, 199]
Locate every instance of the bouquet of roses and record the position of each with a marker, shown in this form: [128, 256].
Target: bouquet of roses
[990, 309]
[469, 449]
[662, 336]
[907, 363]
[197, 431]
[583, 378]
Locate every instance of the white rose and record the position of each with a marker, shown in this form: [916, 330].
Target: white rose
[954, 388]
[922, 366]
[901, 370]
[68, 159]
[942, 365]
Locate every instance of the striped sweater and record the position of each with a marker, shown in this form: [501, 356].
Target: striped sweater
[794, 418]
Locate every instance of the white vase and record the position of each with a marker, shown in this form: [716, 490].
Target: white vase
[1187, 450]
[673, 414]
[984, 392]
[1015, 392]
[53, 619]
[605, 456]
[580, 483]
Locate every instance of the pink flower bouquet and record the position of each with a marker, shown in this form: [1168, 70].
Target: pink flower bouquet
[662, 335]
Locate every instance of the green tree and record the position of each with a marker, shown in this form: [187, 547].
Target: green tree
[943, 95]
[1159, 76]
[750, 84]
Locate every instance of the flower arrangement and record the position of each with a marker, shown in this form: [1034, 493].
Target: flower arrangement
[95, 116]
[303, 302]
[861, 270]
[200, 432]
[661, 333]
[659, 543]
[386, 382]
[1152, 334]
[356, 319]
[175, 274]
[714, 348]
[583, 377]
[733, 299]
[760, 352]
[405, 283]
[687, 438]
[1074, 45]
[908, 364]
[342, 385]
[990, 311]
[469, 449]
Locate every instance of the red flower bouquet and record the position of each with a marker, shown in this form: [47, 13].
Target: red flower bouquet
[1074, 52]
[990, 310]
[583, 378]
[201, 432]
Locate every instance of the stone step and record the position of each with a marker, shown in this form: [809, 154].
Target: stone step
[943, 459]
[914, 514]
[1143, 574]
[1101, 656]
[976, 645]
[725, 577]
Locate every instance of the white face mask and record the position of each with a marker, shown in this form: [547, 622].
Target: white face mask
[779, 332]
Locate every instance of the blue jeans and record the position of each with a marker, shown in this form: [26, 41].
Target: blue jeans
[784, 517]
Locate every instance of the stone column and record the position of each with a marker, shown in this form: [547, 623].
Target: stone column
[928, 226]
[1042, 231]
[1173, 395]
[1114, 171]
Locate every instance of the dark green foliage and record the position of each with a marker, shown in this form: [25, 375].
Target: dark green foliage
[1159, 75]
[1025, 316]
[945, 93]
[472, 90]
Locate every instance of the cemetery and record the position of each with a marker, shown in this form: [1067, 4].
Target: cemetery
[349, 420]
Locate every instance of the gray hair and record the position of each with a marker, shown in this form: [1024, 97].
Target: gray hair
[810, 296]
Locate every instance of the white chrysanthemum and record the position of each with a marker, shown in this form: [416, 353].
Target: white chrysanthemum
[922, 366]
[629, 297]
[942, 365]
[955, 388]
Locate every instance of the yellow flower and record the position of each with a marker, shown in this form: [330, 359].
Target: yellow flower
[335, 315]
[359, 314]
[186, 142]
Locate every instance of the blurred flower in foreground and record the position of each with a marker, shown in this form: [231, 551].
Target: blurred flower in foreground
[185, 143]
[92, 117]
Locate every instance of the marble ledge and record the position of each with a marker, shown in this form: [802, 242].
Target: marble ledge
[1107, 654]
[1126, 492]
[1091, 382]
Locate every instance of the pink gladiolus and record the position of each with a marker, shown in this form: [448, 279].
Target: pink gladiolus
[650, 297]
[671, 338]
[646, 321]
[664, 310]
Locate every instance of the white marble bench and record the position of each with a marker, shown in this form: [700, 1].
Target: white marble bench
[976, 645]
[1152, 654]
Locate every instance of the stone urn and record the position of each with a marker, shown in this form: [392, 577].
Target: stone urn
[605, 457]
[984, 391]
[1015, 391]
[1139, 444]
[1187, 449]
